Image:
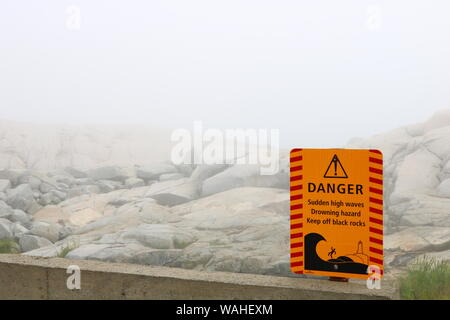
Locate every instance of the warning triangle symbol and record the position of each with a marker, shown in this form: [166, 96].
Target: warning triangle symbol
[335, 169]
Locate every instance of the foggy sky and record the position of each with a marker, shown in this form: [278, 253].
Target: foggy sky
[320, 71]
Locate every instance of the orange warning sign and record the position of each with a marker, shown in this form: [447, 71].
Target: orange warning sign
[337, 212]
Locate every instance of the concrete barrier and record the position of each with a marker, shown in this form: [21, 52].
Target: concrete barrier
[25, 277]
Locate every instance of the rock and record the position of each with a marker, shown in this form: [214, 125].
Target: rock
[46, 188]
[103, 252]
[167, 257]
[445, 173]
[5, 229]
[30, 180]
[246, 198]
[151, 172]
[12, 175]
[225, 261]
[436, 142]
[416, 168]
[22, 198]
[203, 172]
[422, 210]
[48, 199]
[196, 256]
[254, 264]
[77, 174]
[51, 214]
[237, 230]
[84, 182]
[128, 216]
[4, 185]
[59, 194]
[46, 230]
[34, 179]
[81, 190]
[18, 230]
[170, 176]
[30, 242]
[173, 192]
[134, 183]
[153, 213]
[108, 185]
[5, 210]
[65, 232]
[34, 183]
[53, 197]
[241, 224]
[3, 196]
[418, 239]
[418, 173]
[443, 190]
[107, 173]
[83, 217]
[280, 267]
[186, 169]
[243, 176]
[128, 172]
[159, 236]
[64, 181]
[20, 217]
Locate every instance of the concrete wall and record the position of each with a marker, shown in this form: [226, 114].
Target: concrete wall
[24, 277]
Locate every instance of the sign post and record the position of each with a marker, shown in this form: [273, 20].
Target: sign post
[337, 213]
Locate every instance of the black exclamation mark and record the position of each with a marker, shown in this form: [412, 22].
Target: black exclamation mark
[335, 161]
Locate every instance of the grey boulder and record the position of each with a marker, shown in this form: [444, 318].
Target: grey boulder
[5, 210]
[108, 185]
[50, 231]
[173, 192]
[244, 175]
[22, 198]
[134, 183]
[19, 216]
[83, 189]
[12, 175]
[443, 190]
[18, 230]
[204, 171]
[170, 176]
[154, 171]
[31, 242]
[107, 173]
[159, 236]
[4, 185]
[77, 174]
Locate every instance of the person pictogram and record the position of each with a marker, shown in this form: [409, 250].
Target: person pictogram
[332, 252]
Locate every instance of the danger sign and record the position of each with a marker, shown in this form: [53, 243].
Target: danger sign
[337, 212]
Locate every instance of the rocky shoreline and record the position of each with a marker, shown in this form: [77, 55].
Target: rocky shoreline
[218, 217]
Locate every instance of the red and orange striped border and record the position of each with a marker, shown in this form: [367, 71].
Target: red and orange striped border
[296, 211]
[376, 208]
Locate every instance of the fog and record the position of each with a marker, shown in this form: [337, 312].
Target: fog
[320, 71]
